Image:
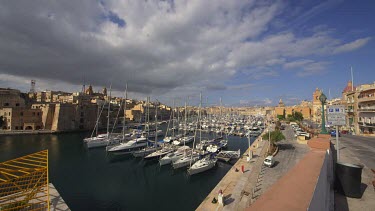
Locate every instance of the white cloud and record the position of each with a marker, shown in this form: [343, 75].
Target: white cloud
[166, 48]
[352, 45]
[307, 67]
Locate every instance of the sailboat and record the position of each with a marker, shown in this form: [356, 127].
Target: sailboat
[194, 155]
[202, 165]
[174, 156]
[164, 150]
[103, 139]
[185, 139]
[153, 147]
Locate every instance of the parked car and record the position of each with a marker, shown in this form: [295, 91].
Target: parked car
[269, 161]
[333, 133]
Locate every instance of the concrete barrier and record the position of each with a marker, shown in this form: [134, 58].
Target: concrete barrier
[307, 186]
[323, 198]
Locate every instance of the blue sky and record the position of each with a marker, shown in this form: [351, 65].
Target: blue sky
[247, 52]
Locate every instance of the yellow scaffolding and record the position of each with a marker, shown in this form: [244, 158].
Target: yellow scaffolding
[24, 183]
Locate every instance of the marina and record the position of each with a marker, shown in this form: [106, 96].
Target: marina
[88, 180]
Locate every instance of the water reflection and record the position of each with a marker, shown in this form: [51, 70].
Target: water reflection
[89, 180]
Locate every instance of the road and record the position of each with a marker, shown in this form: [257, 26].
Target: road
[358, 150]
[290, 152]
[363, 148]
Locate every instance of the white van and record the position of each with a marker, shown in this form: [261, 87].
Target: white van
[269, 161]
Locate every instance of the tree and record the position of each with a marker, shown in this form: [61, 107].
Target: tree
[298, 116]
[275, 136]
[280, 117]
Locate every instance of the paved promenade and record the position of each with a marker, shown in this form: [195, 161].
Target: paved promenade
[238, 187]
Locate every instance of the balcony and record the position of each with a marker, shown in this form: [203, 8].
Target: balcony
[362, 124]
[366, 109]
[366, 99]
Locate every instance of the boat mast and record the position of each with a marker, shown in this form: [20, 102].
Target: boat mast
[178, 117]
[199, 117]
[156, 124]
[148, 116]
[174, 106]
[123, 122]
[97, 119]
[109, 109]
[221, 117]
[185, 118]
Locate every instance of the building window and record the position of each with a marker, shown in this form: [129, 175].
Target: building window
[33, 113]
[17, 104]
[37, 114]
[6, 104]
[21, 113]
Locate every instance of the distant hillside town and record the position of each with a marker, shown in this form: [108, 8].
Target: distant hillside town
[63, 111]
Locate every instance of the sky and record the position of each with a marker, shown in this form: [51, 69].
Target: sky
[249, 53]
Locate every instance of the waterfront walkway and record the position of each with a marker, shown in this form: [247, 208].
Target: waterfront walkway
[57, 203]
[239, 187]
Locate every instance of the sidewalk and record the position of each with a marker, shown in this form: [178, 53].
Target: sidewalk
[238, 187]
[367, 202]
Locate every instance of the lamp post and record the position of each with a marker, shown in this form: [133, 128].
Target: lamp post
[323, 99]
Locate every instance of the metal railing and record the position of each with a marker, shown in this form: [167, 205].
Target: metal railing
[24, 183]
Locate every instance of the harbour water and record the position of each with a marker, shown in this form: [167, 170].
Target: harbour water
[89, 180]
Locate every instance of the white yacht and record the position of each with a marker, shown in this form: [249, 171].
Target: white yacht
[202, 165]
[169, 139]
[186, 160]
[129, 147]
[145, 151]
[173, 156]
[213, 148]
[183, 140]
[160, 153]
[101, 140]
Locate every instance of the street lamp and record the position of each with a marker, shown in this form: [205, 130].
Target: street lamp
[323, 99]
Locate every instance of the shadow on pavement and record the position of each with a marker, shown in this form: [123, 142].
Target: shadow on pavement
[275, 164]
[341, 203]
[286, 146]
[228, 199]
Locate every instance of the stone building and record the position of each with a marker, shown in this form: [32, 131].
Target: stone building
[349, 100]
[366, 109]
[11, 98]
[316, 110]
[18, 118]
[304, 108]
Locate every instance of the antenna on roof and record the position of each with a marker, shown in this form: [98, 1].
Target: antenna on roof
[32, 87]
[84, 85]
[329, 93]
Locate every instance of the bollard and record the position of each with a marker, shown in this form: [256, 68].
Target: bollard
[243, 169]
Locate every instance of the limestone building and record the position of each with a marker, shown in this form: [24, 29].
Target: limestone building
[304, 108]
[366, 109]
[21, 119]
[316, 106]
[11, 98]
